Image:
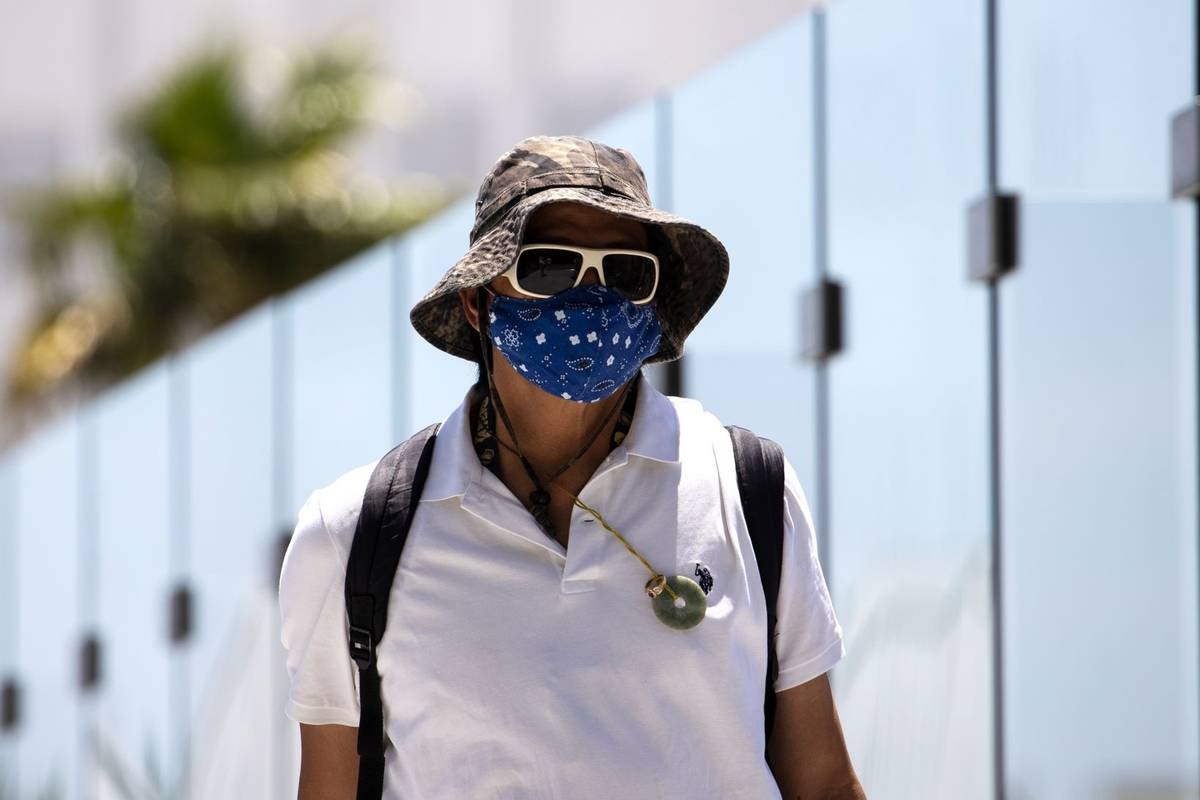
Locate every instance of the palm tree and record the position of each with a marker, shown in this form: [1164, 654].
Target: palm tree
[215, 204]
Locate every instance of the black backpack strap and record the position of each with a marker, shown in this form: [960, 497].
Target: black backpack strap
[760, 483]
[387, 511]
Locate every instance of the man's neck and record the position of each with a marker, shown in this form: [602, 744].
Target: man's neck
[550, 430]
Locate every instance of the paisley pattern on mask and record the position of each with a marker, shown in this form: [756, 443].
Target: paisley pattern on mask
[581, 344]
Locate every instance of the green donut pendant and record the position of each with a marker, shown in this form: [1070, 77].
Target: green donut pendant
[684, 616]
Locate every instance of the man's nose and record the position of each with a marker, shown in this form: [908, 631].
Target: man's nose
[591, 274]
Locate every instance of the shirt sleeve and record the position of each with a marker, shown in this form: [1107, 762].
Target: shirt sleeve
[323, 679]
[808, 637]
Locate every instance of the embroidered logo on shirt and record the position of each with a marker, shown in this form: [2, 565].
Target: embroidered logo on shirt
[703, 577]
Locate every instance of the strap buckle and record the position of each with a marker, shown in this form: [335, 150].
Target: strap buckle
[362, 649]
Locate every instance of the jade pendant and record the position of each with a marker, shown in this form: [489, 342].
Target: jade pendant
[687, 610]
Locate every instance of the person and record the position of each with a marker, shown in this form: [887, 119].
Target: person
[577, 611]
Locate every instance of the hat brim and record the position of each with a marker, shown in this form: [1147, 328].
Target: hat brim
[690, 279]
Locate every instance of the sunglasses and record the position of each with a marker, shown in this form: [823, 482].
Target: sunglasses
[542, 270]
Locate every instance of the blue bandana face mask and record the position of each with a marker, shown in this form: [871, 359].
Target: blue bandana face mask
[581, 344]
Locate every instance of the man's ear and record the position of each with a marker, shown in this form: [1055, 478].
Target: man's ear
[467, 296]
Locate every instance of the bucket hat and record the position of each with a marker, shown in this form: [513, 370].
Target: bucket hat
[694, 265]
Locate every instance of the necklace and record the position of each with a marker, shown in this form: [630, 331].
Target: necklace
[678, 601]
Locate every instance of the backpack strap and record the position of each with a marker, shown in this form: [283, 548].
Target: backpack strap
[759, 463]
[387, 511]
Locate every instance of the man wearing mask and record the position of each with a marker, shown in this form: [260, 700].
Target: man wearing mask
[577, 611]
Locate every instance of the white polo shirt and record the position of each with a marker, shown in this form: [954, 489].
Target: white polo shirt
[513, 667]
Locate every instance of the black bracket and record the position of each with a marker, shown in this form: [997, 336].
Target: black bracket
[181, 614]
[89, 662]
[821, 320]
[992, 235]
[10, 705]
[1185, 151]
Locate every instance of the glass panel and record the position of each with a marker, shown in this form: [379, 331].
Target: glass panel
[8, 606]
[48, 610]
[1076, 119]
[742, 156]
[132, 561]
[341, 361]
[908, 398]
[233, 561]
[1098, 354]
[1099, 506]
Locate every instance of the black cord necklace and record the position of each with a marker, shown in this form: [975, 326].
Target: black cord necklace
[539, 498]
[678, 601]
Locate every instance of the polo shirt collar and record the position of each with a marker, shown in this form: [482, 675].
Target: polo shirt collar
[654, 430]
[653, 434]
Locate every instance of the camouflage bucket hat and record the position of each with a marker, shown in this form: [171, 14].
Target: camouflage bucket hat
[694, 265]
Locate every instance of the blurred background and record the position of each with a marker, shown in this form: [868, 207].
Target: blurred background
[963, 296]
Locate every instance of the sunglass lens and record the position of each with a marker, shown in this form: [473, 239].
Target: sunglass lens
[631, 275]
[547, 270]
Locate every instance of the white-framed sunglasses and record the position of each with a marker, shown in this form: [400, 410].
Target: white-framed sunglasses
[543, 270]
